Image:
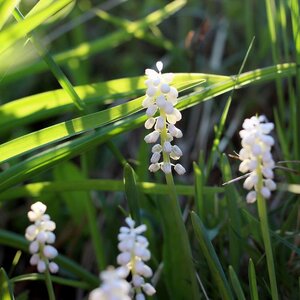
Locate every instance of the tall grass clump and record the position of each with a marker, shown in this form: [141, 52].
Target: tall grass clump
[177, 182]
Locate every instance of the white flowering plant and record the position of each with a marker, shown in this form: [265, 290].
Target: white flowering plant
[149, 149]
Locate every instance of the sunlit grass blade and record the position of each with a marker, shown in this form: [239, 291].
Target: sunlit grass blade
[89, 48]
[54, 68]
[16, 31]
[252, 281]
[40, 106]
[42, 4]
[213, 262]
[70, 128]
[247, 78]
[49, 158]
[6, 9]
[6, 291]
[236, 284]
[53, 103]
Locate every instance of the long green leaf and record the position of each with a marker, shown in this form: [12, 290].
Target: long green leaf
[6, 292]
[236, 284]
[40, 106]
[252, 281]
[213, 262]
[114, 39]
[6, 9]
[70, 128]
[47, 159]
[54, 68]
[16, 31]
[88, 122]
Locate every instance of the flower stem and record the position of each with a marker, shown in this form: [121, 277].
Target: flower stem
[49, 285]
[262, 212]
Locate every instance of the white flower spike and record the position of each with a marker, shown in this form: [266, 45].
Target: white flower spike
[134, 252]
[113, 287]
[41, 236]
[256, 157]
[162, 97]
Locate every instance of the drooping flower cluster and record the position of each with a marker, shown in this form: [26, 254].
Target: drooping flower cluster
[161, 96]
[134, 252]
[256, 157]
[113, 287]
[41, 236]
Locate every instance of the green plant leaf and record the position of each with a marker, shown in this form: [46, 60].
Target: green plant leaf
[75, 126]
[6, 9]
[213, 262]
[6, 292]
[236, 284]
[10, 35]
[252, 281]
[88, 48]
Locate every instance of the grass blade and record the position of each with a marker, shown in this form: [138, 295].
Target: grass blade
[6, 9]
[6, 291]
[70, 128]
[212, 259]
[87, 49]
[54, 68]
[16, 31]
[236, 284]
[252, 281]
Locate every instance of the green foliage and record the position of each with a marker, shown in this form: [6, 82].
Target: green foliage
[6, 291]
[71, 125]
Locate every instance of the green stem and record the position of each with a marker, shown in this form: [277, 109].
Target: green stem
[49, 285]
[262, 212]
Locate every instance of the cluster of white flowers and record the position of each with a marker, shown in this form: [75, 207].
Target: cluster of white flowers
[256, 157]
[40, 236]
[161, 96]
[134, 252]
[113, 287]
